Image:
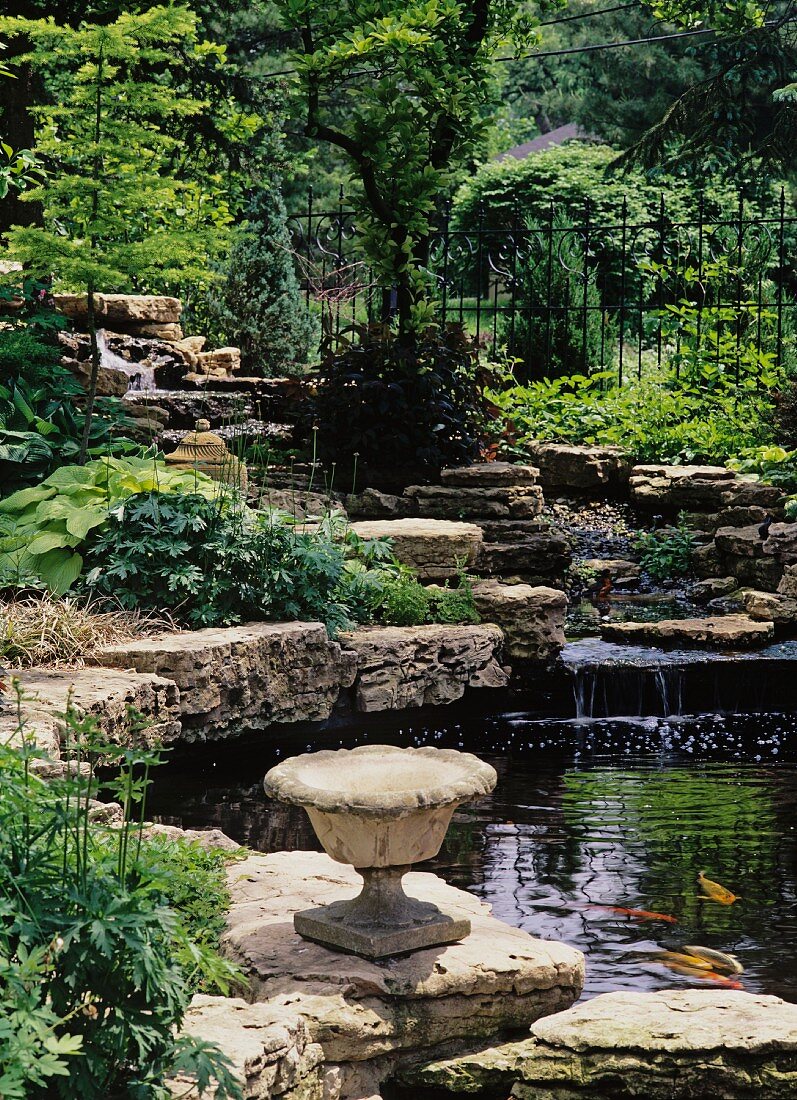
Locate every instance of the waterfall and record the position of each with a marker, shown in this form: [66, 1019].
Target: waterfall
[141, 375]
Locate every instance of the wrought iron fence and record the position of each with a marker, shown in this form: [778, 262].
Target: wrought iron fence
[712, 294]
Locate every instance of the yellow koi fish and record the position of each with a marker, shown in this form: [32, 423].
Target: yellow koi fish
[718, 959]
[715, 892]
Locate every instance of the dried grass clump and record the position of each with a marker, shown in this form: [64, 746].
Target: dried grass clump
[61, 631]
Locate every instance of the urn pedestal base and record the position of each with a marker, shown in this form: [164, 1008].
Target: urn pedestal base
[382, 920]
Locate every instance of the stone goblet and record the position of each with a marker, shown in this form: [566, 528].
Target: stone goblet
[381, 809]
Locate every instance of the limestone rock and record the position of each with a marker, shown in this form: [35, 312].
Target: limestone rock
[205, 838]
[674, 488]
[414, 666]
[725, 631]
[669, 1045]
[763, 573]
[107, 695]
[496, 978]
[624, 573]
[788, 582]
[371, 504]
[532, 619]
[269, 1047]
[782, 542]
[221, 361]
[534, 557]
[770, 607]
[489, 475]
[470, 502]
[300, 503]
[563, 466]
[143, 314]
[243, 677]
[707, 560]
[741, 542]
[436, 549]
[712, 588]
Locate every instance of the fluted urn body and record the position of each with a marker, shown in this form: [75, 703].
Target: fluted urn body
[381, 809]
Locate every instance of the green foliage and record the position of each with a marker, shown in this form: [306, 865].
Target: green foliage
[558, 326]
[654, 419]
[259, 307]
[92, 958]
[406, 602]
[42, 528]
[666, 553]
[412, 123]
[116, 215]
[772, 465]
[395, 405]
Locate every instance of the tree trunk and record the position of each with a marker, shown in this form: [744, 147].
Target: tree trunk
[91, 393]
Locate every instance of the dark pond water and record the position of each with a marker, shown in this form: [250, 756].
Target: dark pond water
[586, 816]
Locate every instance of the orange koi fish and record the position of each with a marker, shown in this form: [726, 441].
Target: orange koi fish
[703, 975]
[676, 960]
[715, 892]
[635, 914]
[717, 959]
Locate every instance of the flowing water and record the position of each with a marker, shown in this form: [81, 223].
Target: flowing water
[141, 375]
[587, 815]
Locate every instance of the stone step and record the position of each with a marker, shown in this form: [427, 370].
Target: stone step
[469, 503]
[490, 475]
[437, 549]
[723, 631]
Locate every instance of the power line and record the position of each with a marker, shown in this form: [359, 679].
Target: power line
[650, 40]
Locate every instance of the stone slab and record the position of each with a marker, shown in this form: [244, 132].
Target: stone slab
[723, 631]
[413, 666]
[244, 677]
[469, 502]
[590, 469]
[490, 475]
[667, 1045]
[435, 548]
[359, 1009]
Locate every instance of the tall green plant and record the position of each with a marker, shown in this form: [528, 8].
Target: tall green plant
[83, 914]
[116, 214]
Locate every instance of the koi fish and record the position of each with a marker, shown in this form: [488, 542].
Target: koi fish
[715, 892]
[718, 959]
[704, 975]
[675, 959]
[635, 914]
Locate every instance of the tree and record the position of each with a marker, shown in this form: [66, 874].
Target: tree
[402, 89]
[116, 215]
[260, 307]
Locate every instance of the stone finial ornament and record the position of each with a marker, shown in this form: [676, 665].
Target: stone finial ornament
[381, 809]
[203, 450]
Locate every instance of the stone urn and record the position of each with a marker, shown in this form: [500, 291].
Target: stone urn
[381, 809]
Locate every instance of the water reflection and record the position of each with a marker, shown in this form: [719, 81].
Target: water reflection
[585, 817]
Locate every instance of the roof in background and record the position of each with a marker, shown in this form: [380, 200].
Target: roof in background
[568, 132]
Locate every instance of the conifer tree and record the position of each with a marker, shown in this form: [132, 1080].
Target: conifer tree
[260, 307]
[117, 217]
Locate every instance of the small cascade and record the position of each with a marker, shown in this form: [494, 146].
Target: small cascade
[141, 375]
[610, 680]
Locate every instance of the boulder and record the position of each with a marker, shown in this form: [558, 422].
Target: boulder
[741, 542]
[707, 560]
[669, 1045]
[781, 542]
[624, 573]
[532, 619]
[242, 677]
[269, 1048]
[723, 631]
[415, 666]
[476, 502]
[788, 582]
[224, 361]
[770, 607]
[371, 504]
[677, 488]
[712, 588]
[763, 573]
[436, 549]
[137, 314]
[536, 557]
[359, 1010]
[210, 839]
[590, 469]
[490, 475]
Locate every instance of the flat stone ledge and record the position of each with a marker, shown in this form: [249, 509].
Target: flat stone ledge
[105, 694]
[490, 475]
[565, 466]
[249, 676]
[723, 631]
[663, 1046]
[436, 548]
[400, 667]
[497, 978]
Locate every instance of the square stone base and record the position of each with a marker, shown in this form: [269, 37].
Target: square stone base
[325, 926]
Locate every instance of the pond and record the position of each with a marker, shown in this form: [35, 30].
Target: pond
[588, 818]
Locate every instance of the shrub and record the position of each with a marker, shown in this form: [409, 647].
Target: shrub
[667, 553]
[109, 953]
[260, 308]
[405, 602]
[552, 334]
[51, 630]
[43, 527]
[400, 405]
